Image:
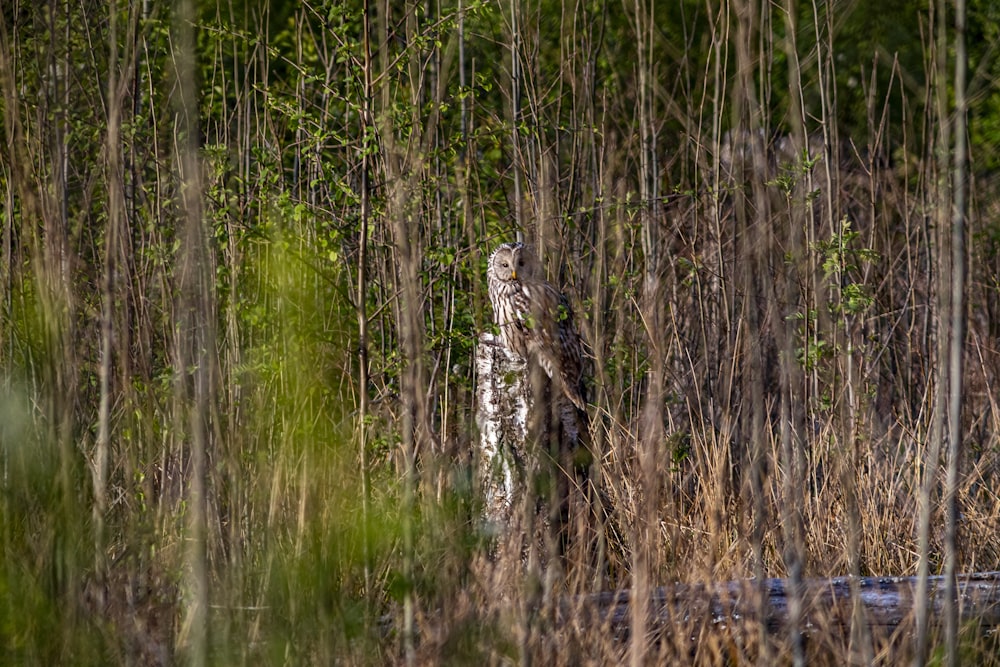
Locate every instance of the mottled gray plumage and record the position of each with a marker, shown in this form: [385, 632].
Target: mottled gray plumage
[534, 319]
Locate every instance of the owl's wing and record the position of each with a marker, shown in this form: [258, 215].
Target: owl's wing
[553, 338]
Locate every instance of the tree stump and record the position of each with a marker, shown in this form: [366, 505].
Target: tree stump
[531, 437]
[503, 396]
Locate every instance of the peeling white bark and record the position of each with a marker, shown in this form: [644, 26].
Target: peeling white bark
[503, 397]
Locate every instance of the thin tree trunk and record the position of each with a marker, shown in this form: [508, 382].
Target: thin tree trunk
[515, 117]
[361, 296]
[647, 525]
[941, 324]
[957, 315]
[195, 339]
[108, 293]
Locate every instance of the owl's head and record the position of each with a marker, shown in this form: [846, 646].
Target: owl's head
[513, 261]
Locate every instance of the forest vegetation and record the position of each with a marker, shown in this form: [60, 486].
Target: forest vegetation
[243, 278]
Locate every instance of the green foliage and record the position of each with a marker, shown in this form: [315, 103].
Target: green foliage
[44, 545]
[824, 336]
[791, 174]
[841, 263]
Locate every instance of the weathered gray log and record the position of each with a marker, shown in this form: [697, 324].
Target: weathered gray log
[887, 602]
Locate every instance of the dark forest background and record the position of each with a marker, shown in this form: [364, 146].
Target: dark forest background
[243, 276]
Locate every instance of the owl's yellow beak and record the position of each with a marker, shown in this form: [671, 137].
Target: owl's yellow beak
[513, 274]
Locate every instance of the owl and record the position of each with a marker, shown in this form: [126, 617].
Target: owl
[534, 319]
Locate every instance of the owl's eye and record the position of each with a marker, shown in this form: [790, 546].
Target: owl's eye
[520, 262]
[506, 265]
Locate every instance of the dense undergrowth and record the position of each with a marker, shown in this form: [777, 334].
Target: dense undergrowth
[205, 206]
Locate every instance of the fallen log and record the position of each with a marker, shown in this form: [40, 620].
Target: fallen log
[886, 602]
[686, 615]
